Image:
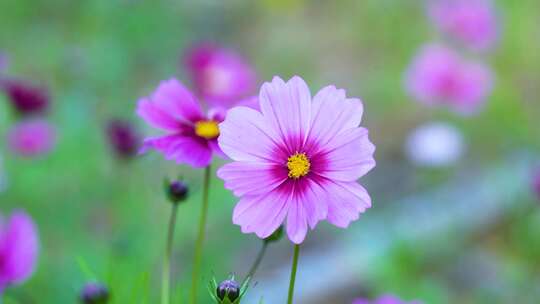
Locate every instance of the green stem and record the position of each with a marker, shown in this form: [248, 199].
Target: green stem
[200, 237]
[293, 273]
[166, 275]
[257, 262]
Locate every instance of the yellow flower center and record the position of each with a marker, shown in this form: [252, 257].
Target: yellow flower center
[207, 129]
[298, 165]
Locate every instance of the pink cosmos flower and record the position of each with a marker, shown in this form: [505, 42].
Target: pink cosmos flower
[439, 76]
[297, 160]
[221, 77]
[18, 249]
[31, 138]
[472, 22]
[386, 299]
[191, 135]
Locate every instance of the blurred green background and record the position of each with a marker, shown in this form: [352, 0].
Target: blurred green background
[103, 219]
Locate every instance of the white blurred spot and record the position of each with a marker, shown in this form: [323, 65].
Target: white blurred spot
[435, 144]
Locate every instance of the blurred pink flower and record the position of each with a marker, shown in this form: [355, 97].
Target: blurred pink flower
[220, 76]
[31, 137]
[439, 76]
[297, 160]
[191, 135]
[385, 299]
[472, 22]
[18, 249]
[26, 98]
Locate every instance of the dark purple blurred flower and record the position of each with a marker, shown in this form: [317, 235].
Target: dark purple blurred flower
[439, 76]
[221, 77]
[123, 138]
[19, 247]
[472, 22]
[31, 138]
[385, 299]
[536, 183]
[26, 98]
[94, 293]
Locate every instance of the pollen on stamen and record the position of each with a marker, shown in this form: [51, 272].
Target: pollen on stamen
[298, 165]
[207, 129]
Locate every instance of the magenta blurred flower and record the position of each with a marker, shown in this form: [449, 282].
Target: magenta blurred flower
[32, 137]
[191, 135]
[123, 138]
[220, 76]
[297, 160]
[18, 249]
[26, 98]
[472, 22]
[385, 299]
[439, 76]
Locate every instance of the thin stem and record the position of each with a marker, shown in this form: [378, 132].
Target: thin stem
[293, 273]
[200, 237]
[166, 275]
[257, 262]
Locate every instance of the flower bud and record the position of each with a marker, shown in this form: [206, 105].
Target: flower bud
[25, 98]
[228, 289]
[276, 236]
[123, 138]
[176, 191]
[94, 293]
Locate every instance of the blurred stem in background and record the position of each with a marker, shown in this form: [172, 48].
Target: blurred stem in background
[165, 293]
[257, 262]
[293, 273]
[200, 237]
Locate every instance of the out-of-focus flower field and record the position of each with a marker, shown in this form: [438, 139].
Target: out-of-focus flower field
[455, 194]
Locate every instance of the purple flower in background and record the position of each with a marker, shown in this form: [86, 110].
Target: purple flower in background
[472, 22]
[191, 135]
[439, 76]
[123, 138]
[26, 98]
[298, 160]
[31, 138]
[385, 299]
[220, 76]
[18, 249]
[94, 293]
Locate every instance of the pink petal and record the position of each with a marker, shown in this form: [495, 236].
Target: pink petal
[333, 113]
[174, 98]
[245, 136]
[155, 116]
[19, 249]
[287, 106]
[193, 151]
[262, 214]
[250, 178]
[348, 200]
[297, 222]
[347, 156]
